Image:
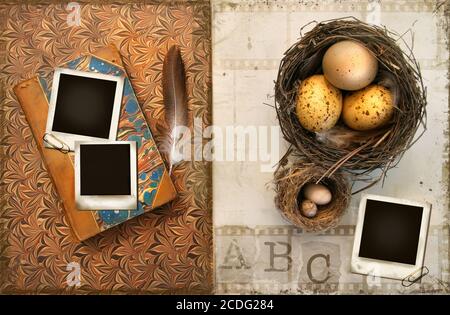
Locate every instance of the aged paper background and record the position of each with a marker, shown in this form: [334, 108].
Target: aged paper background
[258, 252]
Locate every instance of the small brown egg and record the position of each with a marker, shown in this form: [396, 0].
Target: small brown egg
[317, 193]
[309, 208]
[349, 65]
[319, 104]
[369, 108]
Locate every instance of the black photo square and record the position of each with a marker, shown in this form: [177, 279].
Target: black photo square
[105, 169]
[391, 232]
[84, 106]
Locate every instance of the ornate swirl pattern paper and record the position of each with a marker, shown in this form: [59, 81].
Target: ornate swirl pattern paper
[166, 250]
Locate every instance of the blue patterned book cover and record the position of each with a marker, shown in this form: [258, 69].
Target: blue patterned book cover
[132, 127]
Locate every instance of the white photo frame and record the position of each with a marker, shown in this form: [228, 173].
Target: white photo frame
[107, 202]
[389, 269]
[58, 139]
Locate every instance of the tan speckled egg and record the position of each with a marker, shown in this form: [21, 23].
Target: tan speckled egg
[308, 208]
[369, 108]
[349, 65]
[319, 104]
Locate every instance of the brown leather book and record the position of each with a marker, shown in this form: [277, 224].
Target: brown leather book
[155, 187]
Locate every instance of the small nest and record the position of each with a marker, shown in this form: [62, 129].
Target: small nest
[289, 182]
[356, 152]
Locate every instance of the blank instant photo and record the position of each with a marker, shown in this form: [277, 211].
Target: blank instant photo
[390, 237]
[105, 175]
[84, 106]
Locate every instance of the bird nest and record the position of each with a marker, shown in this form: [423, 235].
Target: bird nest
[289, 183]
[356, 152]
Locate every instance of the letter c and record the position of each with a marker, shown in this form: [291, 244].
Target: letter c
[311, 260]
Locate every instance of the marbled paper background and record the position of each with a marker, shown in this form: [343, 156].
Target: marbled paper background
[256, 250]
[167, 250]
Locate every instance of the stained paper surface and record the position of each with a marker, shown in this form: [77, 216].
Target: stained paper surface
[256, 250]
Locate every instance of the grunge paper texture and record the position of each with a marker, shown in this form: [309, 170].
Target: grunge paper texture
[256, 250]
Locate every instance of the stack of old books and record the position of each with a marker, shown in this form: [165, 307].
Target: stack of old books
[96, 142]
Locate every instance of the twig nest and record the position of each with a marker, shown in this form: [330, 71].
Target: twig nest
[355, 151]
[290, 183]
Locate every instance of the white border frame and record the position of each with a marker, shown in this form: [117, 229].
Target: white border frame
[67, 138]
[107, 202]
[387, 269]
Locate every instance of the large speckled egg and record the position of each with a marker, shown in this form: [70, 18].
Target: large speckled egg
[369, 108]
[349, 65]
[319, 104]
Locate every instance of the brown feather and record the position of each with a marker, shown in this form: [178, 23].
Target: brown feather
[175, 98]
[342, 137]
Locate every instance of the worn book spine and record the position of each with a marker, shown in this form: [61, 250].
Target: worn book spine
[35, 106]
